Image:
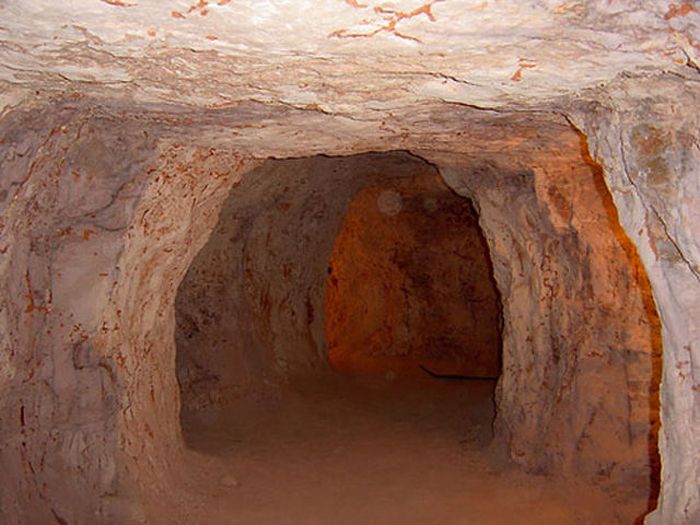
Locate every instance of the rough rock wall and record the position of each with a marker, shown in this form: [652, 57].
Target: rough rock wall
[70, 184]
[410, 283]
[580, 360]
[358, 59]
[177, 211]
[88, 229]
[646, 137]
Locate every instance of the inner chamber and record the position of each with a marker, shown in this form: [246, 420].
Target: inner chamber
[343, 325]
[410, 285]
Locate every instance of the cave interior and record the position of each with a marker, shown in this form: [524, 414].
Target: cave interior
[349, 262]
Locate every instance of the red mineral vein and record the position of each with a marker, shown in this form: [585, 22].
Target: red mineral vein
[31, 305]
[392, 20]
[523, 65]
[679, 9]
[118, 3]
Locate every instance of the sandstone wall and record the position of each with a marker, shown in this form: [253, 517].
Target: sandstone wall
[645, 135]
[410, 283]
[95, 235]
[70, 186]
[580, 341]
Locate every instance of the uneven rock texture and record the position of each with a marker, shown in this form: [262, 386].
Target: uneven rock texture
[571, 284]
[647, 142]
[83, 349]
[410, 283]
[59, 397]
[346, 56]
[124, 124]
[130, 337]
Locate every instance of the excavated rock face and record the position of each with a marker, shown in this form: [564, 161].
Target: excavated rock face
[571, 283]
[125, 126]
[410, 283]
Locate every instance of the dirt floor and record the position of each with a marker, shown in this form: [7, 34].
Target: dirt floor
[346, 451]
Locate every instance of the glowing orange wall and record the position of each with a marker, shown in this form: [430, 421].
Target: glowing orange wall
[410, 284]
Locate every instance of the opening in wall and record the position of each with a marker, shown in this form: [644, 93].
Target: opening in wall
[347, 306]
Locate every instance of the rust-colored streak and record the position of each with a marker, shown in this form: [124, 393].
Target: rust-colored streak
[118, 3]
[201, 7]
[212, 37]
[407, 37]
[355, 4]
[392, 18]
[523, 65]
[31, 305]
[425, 9]
[679, 9]
[202, 4]
[87, 233]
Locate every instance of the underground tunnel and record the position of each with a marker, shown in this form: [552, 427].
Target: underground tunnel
[372, 267]
[380, 327]
[349, 262]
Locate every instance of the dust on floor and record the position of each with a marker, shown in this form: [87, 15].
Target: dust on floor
[350, 452]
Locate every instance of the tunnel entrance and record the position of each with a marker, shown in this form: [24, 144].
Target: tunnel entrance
[335, 313]
[362, 265]
[345, 307]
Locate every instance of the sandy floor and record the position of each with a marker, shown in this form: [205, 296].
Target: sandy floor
[346, 452]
